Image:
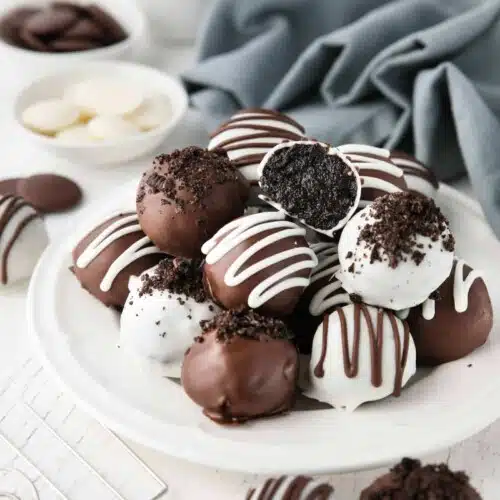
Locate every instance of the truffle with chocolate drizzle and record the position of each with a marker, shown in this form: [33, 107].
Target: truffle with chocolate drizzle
[110, 254]
[292, 488]
[379, 174]
[455, 321]
[23, 239]
[360, 353]
[249, 134]
[261, 261]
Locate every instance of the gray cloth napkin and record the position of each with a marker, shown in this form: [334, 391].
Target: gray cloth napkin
[419, 75]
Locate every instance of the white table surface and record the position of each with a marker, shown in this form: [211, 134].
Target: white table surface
[479, 455]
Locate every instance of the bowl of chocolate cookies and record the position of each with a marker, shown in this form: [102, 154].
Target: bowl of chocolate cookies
[273, 303]
[43, 36]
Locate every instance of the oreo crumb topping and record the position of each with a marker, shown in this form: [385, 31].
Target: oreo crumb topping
[399, 219]
[310, 184]
[186, 176]
[178, 276]
[415, 482]
[245, 323]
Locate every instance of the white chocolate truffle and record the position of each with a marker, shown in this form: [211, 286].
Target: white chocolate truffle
[311, 182]
[111, 127]
[23, 239]
[160, 325]
[50, 116]
[360, 353]
[104, 96]
[154, 112]
[387, 261]
[77, 135]
[249, 134]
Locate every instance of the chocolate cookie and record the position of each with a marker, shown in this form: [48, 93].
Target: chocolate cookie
[50, 193]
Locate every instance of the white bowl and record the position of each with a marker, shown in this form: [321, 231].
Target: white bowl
[24, 64]
[106, 151]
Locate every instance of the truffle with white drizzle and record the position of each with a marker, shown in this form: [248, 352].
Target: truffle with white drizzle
[456, 321]
[419, 177]
[379, 174]
[110, 254]
[292, 488]
[360, 353]
[162, 314]
[249, 134]
[311, 182]
[321, 297]
[261, 261]
[23, 239]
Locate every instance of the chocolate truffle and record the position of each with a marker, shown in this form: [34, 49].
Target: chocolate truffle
[409, 480]
[379, 175]
[110, 254]
[23, 239]
[321, 297]
[396, 252]
[162, 314]
[311, 182]
[419, 177]
[261, 261]
[243, 366]
[187, 196]
[360, 353]
[457, 320]
[9, 186]
[292, 488]
[249, 134]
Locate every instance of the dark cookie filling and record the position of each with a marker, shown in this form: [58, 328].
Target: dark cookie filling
[399, 219]
[176, 275]
[310, 184]
[245, 323]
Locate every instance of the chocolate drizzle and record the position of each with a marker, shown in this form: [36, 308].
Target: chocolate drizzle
[376, 338]
[291, 488]
[11, 206]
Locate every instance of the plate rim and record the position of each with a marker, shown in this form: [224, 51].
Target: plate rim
[236, 459]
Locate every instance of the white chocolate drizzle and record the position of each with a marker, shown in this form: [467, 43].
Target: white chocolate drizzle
[369, 158]
[240, 230]
[301, 487]
[126, 224]
[461, 289]
[331, 294]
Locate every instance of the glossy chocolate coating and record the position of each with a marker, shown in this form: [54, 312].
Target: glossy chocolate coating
[242, 378]
[451, 335]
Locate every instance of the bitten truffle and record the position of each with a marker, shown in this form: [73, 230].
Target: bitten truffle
[457, 320]
[242, 366]
[110, 254]
[187, 196]
[409, 480]
[396, 252]
[260, 261]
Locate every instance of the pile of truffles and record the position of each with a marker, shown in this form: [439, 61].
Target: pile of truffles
[408, 480]
[61, 27]
[268, 244]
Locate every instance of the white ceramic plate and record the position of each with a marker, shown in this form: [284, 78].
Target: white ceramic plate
[78, 337]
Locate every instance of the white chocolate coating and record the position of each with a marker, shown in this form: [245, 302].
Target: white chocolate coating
[23, 238]
[127, 224]
[50, 116]
[370, 158]
[160, 327]
[461, 289]
[104, 96]
[332, 151]
[250, 134]
[347, 392]
[332, 293]
[404, 286]
[239, 230]
[111, 127]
